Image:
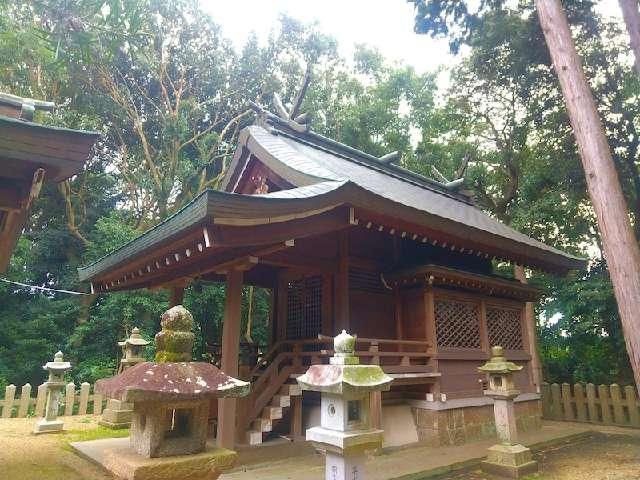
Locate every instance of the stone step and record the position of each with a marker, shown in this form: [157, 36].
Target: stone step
[272, 413]
[291, 389]
[254, 437]
[281, 401]
[262, 425]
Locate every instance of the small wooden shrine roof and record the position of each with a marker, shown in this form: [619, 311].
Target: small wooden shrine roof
[31, 154]
[330, 186]
[438, 275]
[26, 146]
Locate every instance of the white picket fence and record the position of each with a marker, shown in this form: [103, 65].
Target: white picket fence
[72, 401]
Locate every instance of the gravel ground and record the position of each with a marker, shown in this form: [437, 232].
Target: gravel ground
[601, 458]
[24, 456]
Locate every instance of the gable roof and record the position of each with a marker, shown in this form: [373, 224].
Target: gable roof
[307, 158]
[334, 187]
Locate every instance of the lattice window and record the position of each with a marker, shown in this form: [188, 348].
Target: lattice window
[457, 323]
[304, 308]
[366, 281]
[505, 327]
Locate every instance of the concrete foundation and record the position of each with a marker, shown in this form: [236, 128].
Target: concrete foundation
[457, 426]
[116, 456]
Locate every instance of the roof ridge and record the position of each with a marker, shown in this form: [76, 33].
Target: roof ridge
[276, 126]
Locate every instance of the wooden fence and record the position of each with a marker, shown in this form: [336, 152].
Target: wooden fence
[72, 401]
[603, 404]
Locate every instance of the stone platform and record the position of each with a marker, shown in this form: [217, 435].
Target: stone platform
[116, 456]
[407, 463]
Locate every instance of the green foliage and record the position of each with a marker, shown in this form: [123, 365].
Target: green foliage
[581, 339]
[169, 95]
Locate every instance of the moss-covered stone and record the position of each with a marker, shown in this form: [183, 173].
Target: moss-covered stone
[172, 357]
[177, 318]
[175, 342]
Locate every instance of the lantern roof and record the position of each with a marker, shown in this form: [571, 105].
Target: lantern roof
[58, 365]
[498, 363]
[164, 382]
[344, 375]
[135, 339]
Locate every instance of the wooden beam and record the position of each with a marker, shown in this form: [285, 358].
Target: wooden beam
[16, 219]
[269, 233]
[12, 194]
[238, 258]
[309, 264]
[230, 352]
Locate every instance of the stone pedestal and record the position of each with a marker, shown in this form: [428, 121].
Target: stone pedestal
[507, 459]
[170, 399]
[48, 426]
[54, 386]
[118, 414]
[345, 433]
[50, 422]
[511, 461]
[339, 467]
[116, 455]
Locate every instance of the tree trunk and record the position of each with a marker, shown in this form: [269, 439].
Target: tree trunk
[620, 247]
[631, 16]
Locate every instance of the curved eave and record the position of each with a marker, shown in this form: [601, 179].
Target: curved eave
[215, 208]
[444, 276]
[26, 146]
[226, 213]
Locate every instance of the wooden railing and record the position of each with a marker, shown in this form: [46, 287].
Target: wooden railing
[292, 357]
[72, 401]
[370, 350]
[603, 404]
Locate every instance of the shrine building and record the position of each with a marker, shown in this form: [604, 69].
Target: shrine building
[345, 240]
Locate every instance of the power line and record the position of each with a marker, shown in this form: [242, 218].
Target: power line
[45, 289]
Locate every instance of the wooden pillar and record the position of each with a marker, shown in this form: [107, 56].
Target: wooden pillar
[176, 294]
[341, 284]
[281, 308]
[296, 417]
[484, 328]
[430, 318]
[230, 352]
[531, 333]
[327, 306]
[431, 336]
[375, 405]
[397, 313]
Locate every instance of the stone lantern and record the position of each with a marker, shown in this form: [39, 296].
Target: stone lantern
[170, 398]
[345, 431]
[54, 386]
[132, 350]
[508, 458]
[118, 413]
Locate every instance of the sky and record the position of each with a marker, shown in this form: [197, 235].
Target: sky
[384, 24]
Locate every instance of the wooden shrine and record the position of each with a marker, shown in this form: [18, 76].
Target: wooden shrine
[345, 240]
